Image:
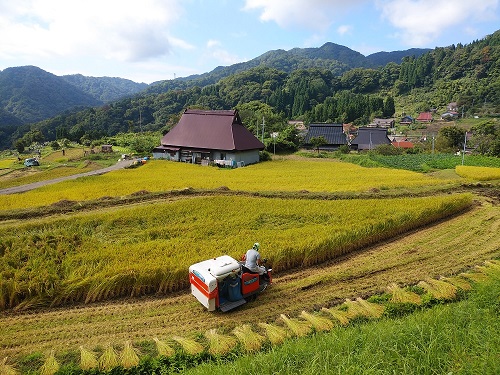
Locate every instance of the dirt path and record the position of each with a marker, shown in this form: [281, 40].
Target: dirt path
[21, 189]
[446, 248]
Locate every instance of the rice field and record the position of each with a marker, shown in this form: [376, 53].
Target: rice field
[445, 249]
[478, 173]
[148, 248]
[279, 175]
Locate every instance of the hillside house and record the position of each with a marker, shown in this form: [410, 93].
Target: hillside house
[203, 137]
[333, 134]
[369, 138]
[450, 115]
[406, 120]
[425, 117]
[386, 123]
[452, 107]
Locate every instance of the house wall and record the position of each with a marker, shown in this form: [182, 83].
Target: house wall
[247, 157]
[166, 155]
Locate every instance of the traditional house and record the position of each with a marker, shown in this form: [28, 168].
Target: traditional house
[406, 120]
[382, 123]
[425, 117]
[210, 136]
[332, 133]
[369, 138]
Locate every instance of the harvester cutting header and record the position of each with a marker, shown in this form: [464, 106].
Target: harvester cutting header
[223, 283]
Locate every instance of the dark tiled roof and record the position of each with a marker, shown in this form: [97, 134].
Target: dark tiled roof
[333, 133]
[370, 138]
[213, 130]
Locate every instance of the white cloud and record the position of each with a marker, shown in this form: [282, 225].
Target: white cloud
[422, 21]
[313, 14]
[213, 43]
[344, 29]
[125, 30]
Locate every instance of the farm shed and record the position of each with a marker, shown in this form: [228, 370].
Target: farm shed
[369, 138]
[333, 134]
[203, 136]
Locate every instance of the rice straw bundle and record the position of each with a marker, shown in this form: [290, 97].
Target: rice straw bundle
[298, 327]
[129, 357]
[190, 346]
[439, 289]
[274, 333]
[50, 366]
[163, 348]
[319, 323]
[6, 369]
[400, 295]
[340, 315]
[88, 360]
[250, 340]
[219, 344]
[354, 309]
[108, 359]
[373, 310]
[459, 282]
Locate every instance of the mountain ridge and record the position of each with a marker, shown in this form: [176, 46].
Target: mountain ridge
[29, 94]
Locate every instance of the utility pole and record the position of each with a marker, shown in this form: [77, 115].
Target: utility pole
[463, 153]
[263, 123]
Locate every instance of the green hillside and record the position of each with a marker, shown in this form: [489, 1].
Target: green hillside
[306, 84]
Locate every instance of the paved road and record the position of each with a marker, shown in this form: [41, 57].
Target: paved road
[34, 185]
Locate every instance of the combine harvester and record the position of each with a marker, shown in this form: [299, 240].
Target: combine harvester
[223, 283]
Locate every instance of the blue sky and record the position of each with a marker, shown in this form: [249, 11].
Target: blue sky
[152, 40]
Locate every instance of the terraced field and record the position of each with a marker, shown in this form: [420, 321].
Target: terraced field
[464, 235]
[447, 248]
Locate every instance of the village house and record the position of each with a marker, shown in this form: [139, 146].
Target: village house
[205, 137]
[369, 138]
[332, 133]
[387, 123]
[425, 117]
[406, 120]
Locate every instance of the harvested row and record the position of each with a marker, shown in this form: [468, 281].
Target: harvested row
[215, 343]
[147, 249]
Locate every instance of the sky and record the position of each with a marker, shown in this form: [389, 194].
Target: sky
[153, 40]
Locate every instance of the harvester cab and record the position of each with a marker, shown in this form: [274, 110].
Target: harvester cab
[223, 283]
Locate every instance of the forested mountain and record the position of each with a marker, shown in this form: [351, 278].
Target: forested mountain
[468, 75]
[29, 94]
[105, 89]
[333, 57]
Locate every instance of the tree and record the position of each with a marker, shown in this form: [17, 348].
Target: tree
[317, 142]
[389, 107]
[450, 138]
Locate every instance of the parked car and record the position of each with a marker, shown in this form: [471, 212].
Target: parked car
[31, 162]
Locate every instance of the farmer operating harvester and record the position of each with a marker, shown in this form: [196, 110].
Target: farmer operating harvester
[223, 283]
